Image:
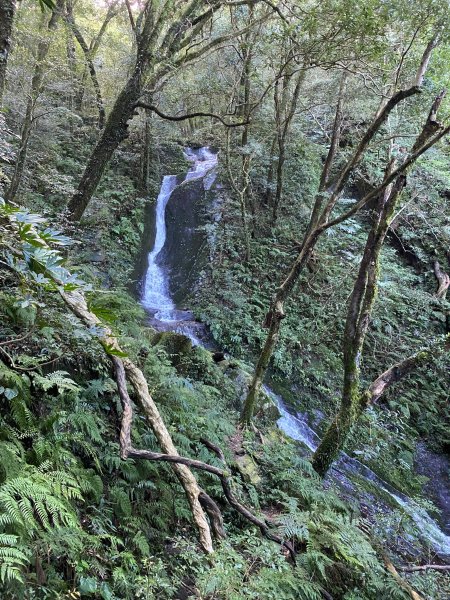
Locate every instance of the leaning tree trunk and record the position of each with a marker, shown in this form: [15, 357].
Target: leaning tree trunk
[36, 88]
[353, 400]
[358, 317]
[115, 131]
[325, 202]
[7, 10]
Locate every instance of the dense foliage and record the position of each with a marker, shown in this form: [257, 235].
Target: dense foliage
[76, 519]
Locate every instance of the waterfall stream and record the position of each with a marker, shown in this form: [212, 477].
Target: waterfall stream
[165, 315]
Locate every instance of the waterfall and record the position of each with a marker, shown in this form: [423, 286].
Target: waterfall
[156, 295]
[157, 300]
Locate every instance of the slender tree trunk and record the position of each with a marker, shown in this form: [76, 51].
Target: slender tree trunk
[284, 120]
[77, 304]
[358, 316]
[7, 11]
[319, 222]
[71, 62]
[89, 63]
[273, 322]
[36, 88]
[353, 400]
[245, 112]
[93, 48]
[146, 148]
[271, 172]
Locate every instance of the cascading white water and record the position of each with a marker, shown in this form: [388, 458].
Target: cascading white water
[156, 296]
[297, 428]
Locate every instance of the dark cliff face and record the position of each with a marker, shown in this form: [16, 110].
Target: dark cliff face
[185, 246]
[185, 249]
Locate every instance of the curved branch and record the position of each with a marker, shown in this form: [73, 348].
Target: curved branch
[156, 110]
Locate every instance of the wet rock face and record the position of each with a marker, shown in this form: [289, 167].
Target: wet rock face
[437, 468]
[182, 253]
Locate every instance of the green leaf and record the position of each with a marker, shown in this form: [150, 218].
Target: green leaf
[47, 4]
[87, 585]
[10, 393]
[105, 591]
[109, 349]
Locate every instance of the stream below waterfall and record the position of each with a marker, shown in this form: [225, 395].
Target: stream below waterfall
[166, 315]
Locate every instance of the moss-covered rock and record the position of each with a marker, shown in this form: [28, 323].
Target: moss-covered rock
[248, 469]
[175, 345]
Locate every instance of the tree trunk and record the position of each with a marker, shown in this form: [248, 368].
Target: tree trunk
[320, 222]
[284, 120]
[273, 322]
[146, 152]
[353, 400]
[7, 10]
[93, 48]
[270, 173]
[36, 88]
[115, 131]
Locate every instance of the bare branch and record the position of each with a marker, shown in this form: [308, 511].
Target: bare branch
[156, 110]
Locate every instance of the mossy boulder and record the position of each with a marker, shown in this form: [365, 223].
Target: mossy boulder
[248, 469]
[176, 345]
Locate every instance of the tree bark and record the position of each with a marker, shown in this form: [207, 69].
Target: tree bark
[35, 91]
[161, 46]
[115, 131]
[77, 304]
[93, 48]
[284, 119]
[443, 281]
[7, 11]
[146, 149]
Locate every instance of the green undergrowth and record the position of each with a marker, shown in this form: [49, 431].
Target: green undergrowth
[77, 521]
[232, 298]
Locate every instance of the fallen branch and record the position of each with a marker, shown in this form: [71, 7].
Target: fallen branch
[77, 304]
[425, 568]
[127, 451]
[443, 281]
